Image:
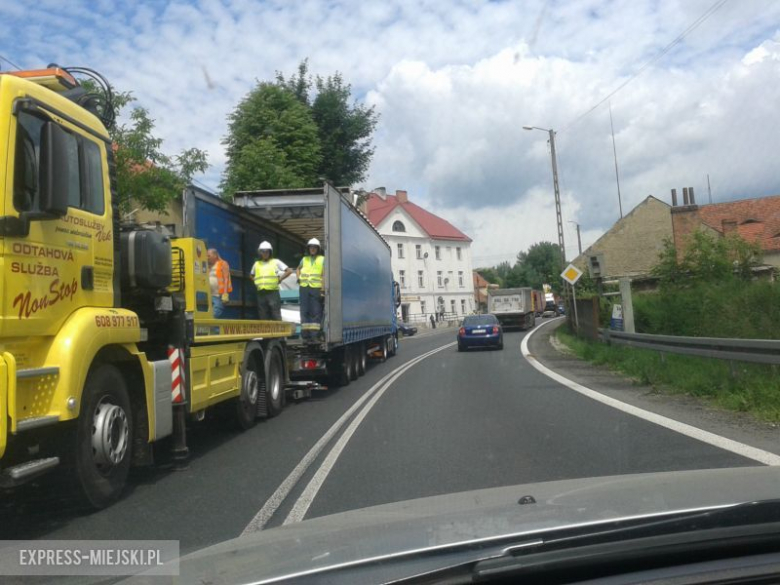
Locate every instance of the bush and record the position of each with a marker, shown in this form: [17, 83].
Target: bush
[734, 308]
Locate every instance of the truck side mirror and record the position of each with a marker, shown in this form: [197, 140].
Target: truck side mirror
[54, 170]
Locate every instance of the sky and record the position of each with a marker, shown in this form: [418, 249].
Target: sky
[454, 83]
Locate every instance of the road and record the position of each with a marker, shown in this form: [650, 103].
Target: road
[450, 422]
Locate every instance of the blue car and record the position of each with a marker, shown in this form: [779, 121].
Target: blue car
[480, 331]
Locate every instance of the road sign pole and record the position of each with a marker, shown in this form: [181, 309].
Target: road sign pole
[576, 318]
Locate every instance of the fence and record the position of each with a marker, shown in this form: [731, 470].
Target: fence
[587, 317]
[763, 351]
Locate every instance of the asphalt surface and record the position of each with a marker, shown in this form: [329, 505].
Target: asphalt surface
[452, 422]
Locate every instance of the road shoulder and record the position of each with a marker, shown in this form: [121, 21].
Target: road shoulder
[690, 410]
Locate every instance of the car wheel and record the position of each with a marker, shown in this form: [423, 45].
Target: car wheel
[461, 347]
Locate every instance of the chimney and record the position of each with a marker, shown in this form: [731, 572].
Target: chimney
[401, 196]
[382, 192]
[685, 195]
[674, 197]
[690, 196]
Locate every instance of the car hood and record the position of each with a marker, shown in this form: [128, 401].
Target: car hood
[439, 521]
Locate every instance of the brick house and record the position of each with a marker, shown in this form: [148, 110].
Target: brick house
[754, 220]
[630, 248]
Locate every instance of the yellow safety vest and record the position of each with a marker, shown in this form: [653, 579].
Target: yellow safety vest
[311, 272]
[265, 275]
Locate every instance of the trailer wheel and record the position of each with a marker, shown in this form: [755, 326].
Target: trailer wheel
[338, 369]
[393, 345]
[274, 382]
[100, 459]
[246, 403]
[354, 365]
[362, 359]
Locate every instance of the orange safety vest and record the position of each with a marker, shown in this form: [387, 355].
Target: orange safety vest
[222, 270]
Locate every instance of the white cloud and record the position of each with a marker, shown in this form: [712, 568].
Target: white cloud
[454, 83]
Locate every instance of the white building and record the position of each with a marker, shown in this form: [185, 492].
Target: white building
[431, 258]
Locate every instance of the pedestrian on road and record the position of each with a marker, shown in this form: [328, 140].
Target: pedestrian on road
[219, 280]
[433, 322]
[311, 290]
[267, 273]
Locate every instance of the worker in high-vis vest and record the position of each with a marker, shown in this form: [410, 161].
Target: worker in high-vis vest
[267, 273]
[311, 289]
[219, 281]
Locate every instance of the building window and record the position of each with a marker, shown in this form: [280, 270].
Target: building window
[460, 278]
[452, 306]
[400, 250]
[462, 305]
[420, 280]
[398, 226]
[458, 253]
[402, 278]
[437, 249]
[422, 307]
[439, 281]
[418, 251]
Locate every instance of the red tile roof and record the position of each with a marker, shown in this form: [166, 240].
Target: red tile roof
[758, 220]
[436, 227]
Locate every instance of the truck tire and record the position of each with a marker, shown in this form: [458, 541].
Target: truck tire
[352, 358]
[338, 369]
[274, 382]
[99, 461]
[362, 359]
[384, 343]
[393, 345]
[246, 403]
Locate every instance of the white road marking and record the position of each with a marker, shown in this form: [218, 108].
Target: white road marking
[736, 447]
[272, 504]
[304, 501]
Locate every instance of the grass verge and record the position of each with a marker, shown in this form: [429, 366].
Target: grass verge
[753, 388]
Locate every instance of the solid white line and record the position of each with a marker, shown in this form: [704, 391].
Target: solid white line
[736, 447]
[304, 501]
[272, 504]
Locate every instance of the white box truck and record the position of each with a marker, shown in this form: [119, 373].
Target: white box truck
[514, 307]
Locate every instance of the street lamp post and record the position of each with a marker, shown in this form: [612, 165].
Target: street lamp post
[559, 218]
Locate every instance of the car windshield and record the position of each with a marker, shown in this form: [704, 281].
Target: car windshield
[266, 262]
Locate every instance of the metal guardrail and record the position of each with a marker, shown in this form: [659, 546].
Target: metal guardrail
[762, 351]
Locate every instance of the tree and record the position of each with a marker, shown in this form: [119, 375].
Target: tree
[540, 264]
[146, 177]
[272, 142]
[344, 130]
[707, 258]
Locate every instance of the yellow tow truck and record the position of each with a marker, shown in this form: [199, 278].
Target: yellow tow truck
[107, 338]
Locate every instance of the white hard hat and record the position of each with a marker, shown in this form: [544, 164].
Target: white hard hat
[314, 242]
[265, 246]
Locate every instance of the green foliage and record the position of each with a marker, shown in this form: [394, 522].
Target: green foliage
[344, 129]
[272, 142]
[146, 177]
[707, 258]
[731, 308]
[751, 388]
[491, 275]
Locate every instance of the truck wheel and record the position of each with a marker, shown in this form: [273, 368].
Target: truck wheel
[100, 461]
[393, 345]
[246, 403]
[385, 342]
[353, 358]
[274, 382]
[362, 359]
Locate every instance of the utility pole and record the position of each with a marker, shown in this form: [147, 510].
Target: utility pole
[709, 189]
[557, 197]
[614, 152]
[579, 241]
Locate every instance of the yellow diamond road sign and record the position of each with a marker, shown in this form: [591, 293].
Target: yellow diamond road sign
[571, 274]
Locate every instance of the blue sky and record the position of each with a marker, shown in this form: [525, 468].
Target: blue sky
[454, 83]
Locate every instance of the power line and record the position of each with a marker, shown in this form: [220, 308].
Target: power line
[694, 25]
[11, 63]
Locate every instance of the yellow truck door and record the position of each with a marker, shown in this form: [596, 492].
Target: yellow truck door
[61, 264]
